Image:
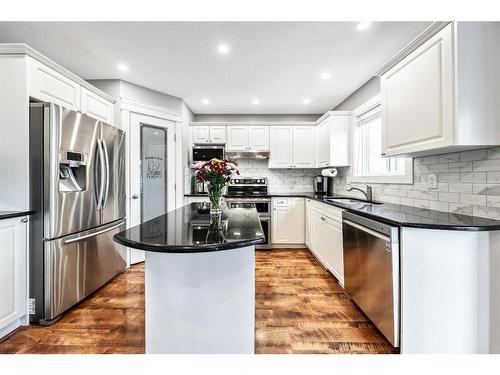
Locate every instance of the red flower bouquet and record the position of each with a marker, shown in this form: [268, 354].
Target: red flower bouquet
[217, 173]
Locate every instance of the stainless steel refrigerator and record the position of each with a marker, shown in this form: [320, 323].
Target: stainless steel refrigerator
[77, 193]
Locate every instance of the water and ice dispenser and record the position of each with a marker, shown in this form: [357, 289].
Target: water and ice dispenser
[72, 171]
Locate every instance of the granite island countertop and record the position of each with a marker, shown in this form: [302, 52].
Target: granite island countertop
[401, 215]
[190, 229]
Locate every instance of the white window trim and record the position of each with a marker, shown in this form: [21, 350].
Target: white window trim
[407, 178]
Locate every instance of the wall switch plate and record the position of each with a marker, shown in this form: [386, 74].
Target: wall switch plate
[432, 182]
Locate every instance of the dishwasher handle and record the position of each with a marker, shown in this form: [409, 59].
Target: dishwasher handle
[376, 226]
[368, 230]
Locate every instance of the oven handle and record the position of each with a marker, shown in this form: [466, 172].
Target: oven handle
[368, 230]
[248, 199]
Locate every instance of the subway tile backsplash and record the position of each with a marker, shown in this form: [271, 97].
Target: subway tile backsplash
[468, 183]
[280, 180]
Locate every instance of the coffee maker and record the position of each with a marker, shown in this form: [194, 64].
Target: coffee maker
[320, 185]
[323, 185]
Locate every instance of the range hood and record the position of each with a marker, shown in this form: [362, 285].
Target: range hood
[247, 154]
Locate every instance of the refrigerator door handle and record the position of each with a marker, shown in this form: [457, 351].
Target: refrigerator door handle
[106, 191]
[102, 174]
[85, 236]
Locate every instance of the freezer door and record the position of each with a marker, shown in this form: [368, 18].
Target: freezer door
[70, 176]
[77, 265]
[113, 141]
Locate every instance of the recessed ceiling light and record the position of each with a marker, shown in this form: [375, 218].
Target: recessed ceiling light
[363, 25]
[306, 101]
[255, 101]
[205, 101]
[122, 67]
[325, 75]
[223, 49]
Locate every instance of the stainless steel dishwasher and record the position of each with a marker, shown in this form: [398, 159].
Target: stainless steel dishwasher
[371, 271]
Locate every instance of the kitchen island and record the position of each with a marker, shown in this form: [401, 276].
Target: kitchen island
[200, 279]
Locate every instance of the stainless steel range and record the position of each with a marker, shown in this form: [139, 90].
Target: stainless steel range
[245, 191]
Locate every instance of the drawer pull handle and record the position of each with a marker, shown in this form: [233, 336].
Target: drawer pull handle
[24, 220]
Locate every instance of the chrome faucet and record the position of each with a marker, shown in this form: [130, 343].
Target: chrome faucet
[368, 194]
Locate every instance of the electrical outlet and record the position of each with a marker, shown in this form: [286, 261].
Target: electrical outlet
[432, 183]
[31, 306]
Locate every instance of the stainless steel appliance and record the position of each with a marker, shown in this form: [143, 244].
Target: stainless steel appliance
[319, 184]
[77, 193]
[250, 154]
[199, 187]
[245, 191]
[203, 153]
[371, 271]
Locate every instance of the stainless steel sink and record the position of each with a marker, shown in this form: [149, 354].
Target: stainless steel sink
[349, 200]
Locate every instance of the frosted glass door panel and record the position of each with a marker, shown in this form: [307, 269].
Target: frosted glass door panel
[153, 172]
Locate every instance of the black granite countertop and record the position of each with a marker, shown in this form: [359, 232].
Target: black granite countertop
[10, 214]
[408, 216]
[189, 229]
[405, 216]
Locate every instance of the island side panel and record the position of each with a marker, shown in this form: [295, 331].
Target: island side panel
[446, 288]
[200, 302]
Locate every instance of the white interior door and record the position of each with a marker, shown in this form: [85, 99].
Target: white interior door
[152, 171]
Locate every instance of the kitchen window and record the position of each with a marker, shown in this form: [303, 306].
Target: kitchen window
[368, 164]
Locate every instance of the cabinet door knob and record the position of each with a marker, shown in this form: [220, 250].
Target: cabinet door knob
[24, 220]
[135, 196]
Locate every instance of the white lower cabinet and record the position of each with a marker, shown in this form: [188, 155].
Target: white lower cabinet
[13, 272]
[288, 221]
[324, 228]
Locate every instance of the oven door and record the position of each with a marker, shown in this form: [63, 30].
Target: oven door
[265, 221]
[206, 153]
[263, 205]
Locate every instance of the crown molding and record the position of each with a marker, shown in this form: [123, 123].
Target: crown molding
[433, 29]
[24, 49]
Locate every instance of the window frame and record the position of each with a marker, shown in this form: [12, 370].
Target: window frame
[406, 178]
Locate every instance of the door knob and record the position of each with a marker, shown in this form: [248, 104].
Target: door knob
[135, 196]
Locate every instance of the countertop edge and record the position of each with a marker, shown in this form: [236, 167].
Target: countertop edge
[188, 249]
[13, 214]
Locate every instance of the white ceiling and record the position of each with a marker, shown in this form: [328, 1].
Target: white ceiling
[279, 63]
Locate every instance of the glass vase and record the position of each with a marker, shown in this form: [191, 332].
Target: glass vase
[215, 194]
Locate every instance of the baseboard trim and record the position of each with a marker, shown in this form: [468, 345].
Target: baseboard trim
[9, 329]
[289, 246]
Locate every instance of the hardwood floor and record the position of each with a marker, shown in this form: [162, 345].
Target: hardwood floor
[300, 308]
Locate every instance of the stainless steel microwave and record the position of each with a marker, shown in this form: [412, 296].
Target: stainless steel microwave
[205, 153]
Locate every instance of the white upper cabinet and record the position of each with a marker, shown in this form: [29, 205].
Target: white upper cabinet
[96, 107]
[258, 138]
[292, 147]
[218, 134]
[332, 140]
[209, 134]
[439, 98]
[47, 85]
[247, 138]
[304, 146]
[237, 138]
[281, 149]
[201, 134]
